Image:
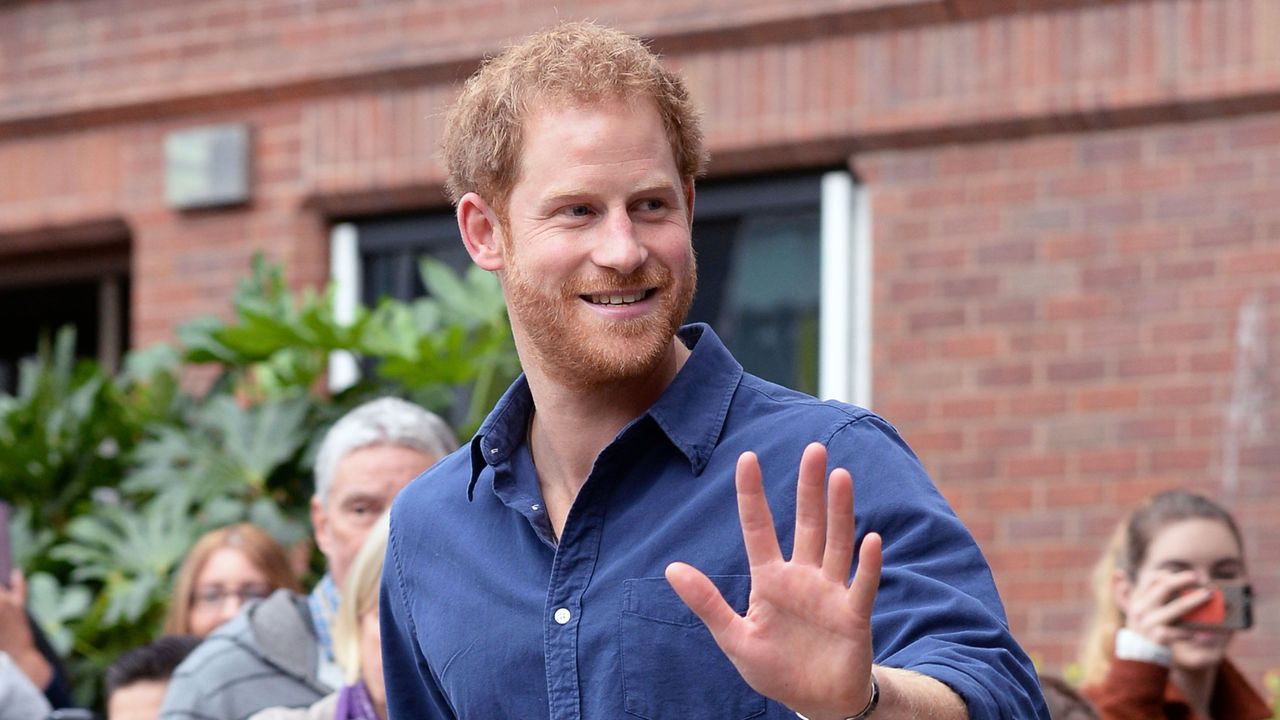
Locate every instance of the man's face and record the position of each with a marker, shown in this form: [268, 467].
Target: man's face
[365, 482]
[598, 269]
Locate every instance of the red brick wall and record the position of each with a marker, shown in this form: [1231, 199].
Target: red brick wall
[1074, 208]
[1066, 324]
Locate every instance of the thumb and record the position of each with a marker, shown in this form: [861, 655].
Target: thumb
[704, 599]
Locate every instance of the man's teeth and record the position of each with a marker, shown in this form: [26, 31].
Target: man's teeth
[622, 299]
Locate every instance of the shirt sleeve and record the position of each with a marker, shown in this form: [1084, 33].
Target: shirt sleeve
[937, 611]
[412, 691]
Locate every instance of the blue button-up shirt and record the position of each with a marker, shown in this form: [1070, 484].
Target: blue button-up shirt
[486, 616]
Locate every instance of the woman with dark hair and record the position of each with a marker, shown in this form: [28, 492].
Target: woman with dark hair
[1171, 557]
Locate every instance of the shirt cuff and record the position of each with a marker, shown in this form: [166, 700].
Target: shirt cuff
[1132, 646]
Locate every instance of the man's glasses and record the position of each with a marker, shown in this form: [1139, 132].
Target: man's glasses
[215, 596]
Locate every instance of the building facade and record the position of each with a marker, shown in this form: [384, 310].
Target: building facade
[1042, 237]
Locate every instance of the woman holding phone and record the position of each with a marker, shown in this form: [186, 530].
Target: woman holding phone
[1171, 591]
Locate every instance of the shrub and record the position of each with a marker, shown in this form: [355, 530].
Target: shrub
[113, 477]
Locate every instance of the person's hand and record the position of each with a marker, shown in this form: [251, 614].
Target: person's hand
[806, 638]
[1150, 612]
[15, 632]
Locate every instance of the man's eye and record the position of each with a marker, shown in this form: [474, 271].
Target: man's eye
[652, 204]
[577, 211]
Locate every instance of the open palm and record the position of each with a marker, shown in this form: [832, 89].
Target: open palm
[805, 640]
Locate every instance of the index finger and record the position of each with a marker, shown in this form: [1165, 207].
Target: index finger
[753, 513]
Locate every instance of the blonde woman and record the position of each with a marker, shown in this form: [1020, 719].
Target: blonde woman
[224, 569]
[1139, 661]
[357, 643]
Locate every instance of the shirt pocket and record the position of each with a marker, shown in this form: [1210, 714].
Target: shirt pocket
[672, 668]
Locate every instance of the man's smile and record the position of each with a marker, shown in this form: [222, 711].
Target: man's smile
[626, 297]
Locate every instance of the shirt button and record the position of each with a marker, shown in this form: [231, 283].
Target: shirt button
[562, 615]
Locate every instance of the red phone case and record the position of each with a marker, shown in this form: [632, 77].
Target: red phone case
[1212, 612]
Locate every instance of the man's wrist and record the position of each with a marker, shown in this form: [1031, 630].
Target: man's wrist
[870, 708]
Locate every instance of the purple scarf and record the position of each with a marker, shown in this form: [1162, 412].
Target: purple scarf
[354, 703]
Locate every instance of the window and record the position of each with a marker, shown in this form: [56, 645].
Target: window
[783, 275]
[40, 292]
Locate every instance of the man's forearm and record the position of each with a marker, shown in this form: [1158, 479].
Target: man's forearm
[907, 695]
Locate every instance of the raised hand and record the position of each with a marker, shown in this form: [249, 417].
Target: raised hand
[1150, 612]
[805, 640]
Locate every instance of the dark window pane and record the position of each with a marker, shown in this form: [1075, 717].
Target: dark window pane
[758, 275]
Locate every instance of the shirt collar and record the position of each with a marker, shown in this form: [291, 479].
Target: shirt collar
[690, 412]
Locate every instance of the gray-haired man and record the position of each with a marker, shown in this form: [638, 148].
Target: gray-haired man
[278, 652]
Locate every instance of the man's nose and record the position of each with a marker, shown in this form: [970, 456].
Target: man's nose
[619, 247]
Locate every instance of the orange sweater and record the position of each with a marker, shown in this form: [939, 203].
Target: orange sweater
[1135, 690]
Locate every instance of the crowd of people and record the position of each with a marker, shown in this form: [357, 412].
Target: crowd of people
[580, 556]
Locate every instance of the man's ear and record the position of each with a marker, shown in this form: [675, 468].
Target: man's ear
[320, 525]
[481, 231]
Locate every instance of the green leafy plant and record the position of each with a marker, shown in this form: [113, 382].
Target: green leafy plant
[113, 477]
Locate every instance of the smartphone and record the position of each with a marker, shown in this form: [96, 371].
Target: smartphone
[1229, 607]
[6, 550]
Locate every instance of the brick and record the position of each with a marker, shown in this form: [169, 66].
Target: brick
[1107, 151]
[1035, 528]
[1005, 375]
[1075, 495]
[1081, 184]
[1075, 371]
[1108, 462]
[947, 258]
[1001, 438]
[1062, 247]
[1186, 269]
[1212, 362]
[1145, 241]
[907, 290]
[1147, 429]
[1022, 250]
[1146, 365]
[1112, 276]
[1249, 263]
[1046, 403]
[1083, 307]
[1223, 171]
[1042, 155]
[984, 345]
[1122, 397]
[933, 319]
[967, 408]
[1236, 234]
[1011, 312]
[975, 469]
[1112, 212]
[1037, 342]
[1262, 133]
[925, 442]
[1184, 332]
[970, 287]
[1179, 459]
[1179, 395]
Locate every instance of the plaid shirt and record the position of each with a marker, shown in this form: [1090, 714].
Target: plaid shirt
[324, 607]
